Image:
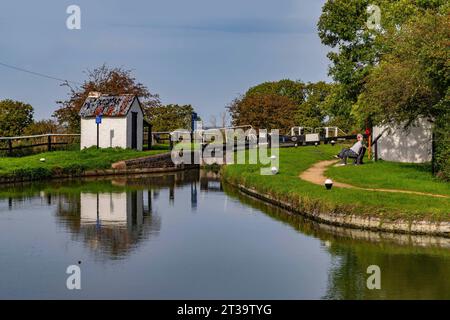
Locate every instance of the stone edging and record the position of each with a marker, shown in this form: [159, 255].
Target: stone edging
[157, 163]
[99, 173]
[352, 221]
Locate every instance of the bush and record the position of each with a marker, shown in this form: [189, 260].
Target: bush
[74, 169]
[442, 147]
[32, 173]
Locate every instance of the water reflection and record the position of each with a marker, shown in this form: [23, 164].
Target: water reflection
[113, 223]
[412, 266]
[203, 239]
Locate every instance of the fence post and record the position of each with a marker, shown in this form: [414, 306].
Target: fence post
[150, 136]
[10, 148]
[49, 143]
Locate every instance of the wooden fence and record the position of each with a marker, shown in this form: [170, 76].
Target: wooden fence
[161, 138]
[37, 143]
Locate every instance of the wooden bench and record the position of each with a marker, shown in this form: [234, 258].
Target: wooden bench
[359, 159]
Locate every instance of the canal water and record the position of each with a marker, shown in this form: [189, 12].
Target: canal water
[188, 236]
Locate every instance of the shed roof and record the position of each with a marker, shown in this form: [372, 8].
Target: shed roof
[108, 106]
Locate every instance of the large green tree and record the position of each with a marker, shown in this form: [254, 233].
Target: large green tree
[339, 109]
[313, 112]
[395, 72]
[412, 80]
[15, 116]
[357, 48]
[42, 127]
[169, 117]
[293, 90]
[304, 103]
[264, 111]
[104, 79]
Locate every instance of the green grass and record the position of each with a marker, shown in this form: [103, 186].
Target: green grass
[161, 146]
[67, 162]
[308, 197]
[390, 175]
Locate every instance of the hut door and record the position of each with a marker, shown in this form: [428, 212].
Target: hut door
[134, 130]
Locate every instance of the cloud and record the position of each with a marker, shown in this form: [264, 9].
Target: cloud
[200, 52]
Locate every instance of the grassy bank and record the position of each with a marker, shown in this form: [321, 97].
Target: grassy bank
[313, 198]
[66, 162]
[390, 175]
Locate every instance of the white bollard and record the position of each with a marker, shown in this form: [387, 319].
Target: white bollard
[328, 184]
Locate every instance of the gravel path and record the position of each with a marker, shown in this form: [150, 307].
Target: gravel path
[316, 175]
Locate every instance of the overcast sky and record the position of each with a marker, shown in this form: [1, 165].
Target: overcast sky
[199, 52]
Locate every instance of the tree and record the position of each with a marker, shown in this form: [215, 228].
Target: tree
[338, 108]
[441, 165]
[342, 26]
[221, 121]
[264, 111]
[294, 90]
[412, 80]
[104, 79]
[42, 127]
[15, 116]
[313, 112]
[169, 117]
[212, 121]
[309, 101]
[357, 49]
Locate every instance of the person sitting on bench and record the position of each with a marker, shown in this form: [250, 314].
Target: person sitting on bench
[353, 152]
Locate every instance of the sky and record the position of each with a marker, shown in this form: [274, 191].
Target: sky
[199, 52]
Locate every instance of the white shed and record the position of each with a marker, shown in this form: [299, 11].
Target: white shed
[411, 145]
[122, 122]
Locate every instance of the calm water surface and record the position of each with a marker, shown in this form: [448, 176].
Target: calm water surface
[187, 236]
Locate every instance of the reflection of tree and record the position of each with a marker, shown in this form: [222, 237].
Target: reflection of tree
[68, 209]
[406, 273]
[408, 270]
[345, 279]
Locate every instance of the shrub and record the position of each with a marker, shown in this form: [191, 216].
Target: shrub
[442, 147]
[32, 173]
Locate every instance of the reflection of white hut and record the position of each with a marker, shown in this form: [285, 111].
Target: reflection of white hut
[411, 145]
[111, 208]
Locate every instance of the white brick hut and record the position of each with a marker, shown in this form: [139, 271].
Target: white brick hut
[122, 121]
[415, 144]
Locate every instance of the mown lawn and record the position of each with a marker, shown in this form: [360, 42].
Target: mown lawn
[67, 162]
[390, 175]
[287, 186]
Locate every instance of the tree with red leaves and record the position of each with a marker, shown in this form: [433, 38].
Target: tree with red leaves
[104, 79]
